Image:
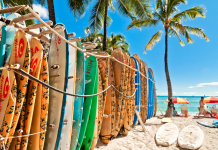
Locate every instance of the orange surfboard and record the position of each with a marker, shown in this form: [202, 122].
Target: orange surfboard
[124, 106]
[108, 125]
[128, 112]
[103, 64]
[99, 113]
[119, 73]
[35, 66]
[22, 89]
[8, 93]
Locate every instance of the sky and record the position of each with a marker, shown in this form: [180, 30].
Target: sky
[193, 68]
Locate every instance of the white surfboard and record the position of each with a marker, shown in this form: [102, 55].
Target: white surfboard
[68, 117]
[191, 137]
[58, 78]
[167, 134]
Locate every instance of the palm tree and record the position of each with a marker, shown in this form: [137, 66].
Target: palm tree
[130, 8]
[114, 41]
[12, 3]
[171, 18]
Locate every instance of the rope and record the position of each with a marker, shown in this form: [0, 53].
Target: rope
[23, 73]
[56, 33]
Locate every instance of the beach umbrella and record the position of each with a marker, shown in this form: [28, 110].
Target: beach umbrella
[211, 99]
[179, 100]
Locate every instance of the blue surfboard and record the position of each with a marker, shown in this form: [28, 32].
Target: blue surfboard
[138, 91]
[3, 37]
[150, 96]
[78, 101]
[10, 34]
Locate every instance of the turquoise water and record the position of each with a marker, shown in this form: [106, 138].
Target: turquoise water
[192, 107]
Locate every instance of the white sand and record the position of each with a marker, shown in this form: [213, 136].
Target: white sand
[137, 139]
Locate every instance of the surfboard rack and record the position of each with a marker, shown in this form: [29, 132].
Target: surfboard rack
[13, 9]
[49, 31]
[39, 25]
[52, 76]
[71, 34]
[23, 18]
[75, 39]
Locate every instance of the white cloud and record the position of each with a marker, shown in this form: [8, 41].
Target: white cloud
[43, 12]
[191, 87]
[189, 93]
[215, 92]
[204, 84]
[174, 92]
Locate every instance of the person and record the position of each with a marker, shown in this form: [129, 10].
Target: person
[203, 107]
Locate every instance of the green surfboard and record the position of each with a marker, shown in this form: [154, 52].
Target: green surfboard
[87, 141]
[91, 71]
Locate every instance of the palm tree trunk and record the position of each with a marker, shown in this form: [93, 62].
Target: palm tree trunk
[169, 111]
[51, 11]
[105, 26]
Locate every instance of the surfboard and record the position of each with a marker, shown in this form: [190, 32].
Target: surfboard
[35, 66]
[58, 64]
[45, 101]
[128, 113]
[132, 85]
[141, 69]
[215, 122]
[68, 118]
[153, 95]
[191, 137]
[90, 77]
[108, 124]
[18, 51]
[78, 101]
[87, 141]
[155, 100]
[167, 134]
[99, 114]
[124, 102]
[34, 140]
[138, 91]
[10, 34]
[103, 64]
[206, 124]
[2, 39]
[146, 90]
[8, 95]
[119, 73]
[21, 92]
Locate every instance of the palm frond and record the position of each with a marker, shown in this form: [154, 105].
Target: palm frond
[124, 8]
[192, 13]
[155, 38]
[97, 16]
[173, 32]
[112, 8]
[148, 22]
[157, 16]
[186, 30]
[141, 8]
[78, 7]
[173, 4]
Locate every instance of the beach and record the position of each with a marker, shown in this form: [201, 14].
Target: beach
[137, 139]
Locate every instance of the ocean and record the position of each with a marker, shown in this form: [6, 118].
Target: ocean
[192, 107]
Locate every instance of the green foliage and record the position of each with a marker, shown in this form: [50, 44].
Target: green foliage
[169, 16]
[11, 3]
[114, 41]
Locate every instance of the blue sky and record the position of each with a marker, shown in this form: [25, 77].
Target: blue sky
[193, 68]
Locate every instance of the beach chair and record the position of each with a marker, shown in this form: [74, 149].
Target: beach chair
[183, 109]
[215, 107]
[213, 111]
